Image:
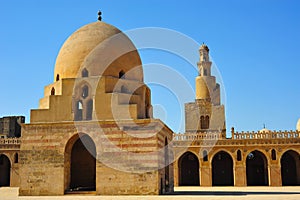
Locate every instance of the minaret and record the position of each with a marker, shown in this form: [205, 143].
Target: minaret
[206, 86]
[206, 113]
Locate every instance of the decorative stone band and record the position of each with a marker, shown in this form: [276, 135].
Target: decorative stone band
[10, 141]
[266, 135]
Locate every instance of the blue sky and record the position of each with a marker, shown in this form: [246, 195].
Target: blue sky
[254, 43]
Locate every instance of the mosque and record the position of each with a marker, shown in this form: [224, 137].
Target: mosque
[94, 131]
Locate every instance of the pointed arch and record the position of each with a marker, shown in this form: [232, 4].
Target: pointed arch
[290, 168]
[222, 169]
[85, 91]
[188, 169]
[53, 91]
[121, 74]
[84, 73]
[80, 164]
[273, 154]
[5, 167]
[239, 155]
[257, 169]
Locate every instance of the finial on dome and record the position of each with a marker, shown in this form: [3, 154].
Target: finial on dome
[99, 15]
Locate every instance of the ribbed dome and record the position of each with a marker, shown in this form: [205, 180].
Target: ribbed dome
[81, 44]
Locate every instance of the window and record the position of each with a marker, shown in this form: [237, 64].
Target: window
[207, 122]
[78, 111]
[53, 91]
[85, 91]
[124, 89]
[16, 158]
[122, 74]
[89, 110]
[273, 152]
[85, 73]
[239, 155]
[205, 156]
[204, 121]
[57, 77]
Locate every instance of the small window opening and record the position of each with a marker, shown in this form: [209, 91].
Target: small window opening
[273, 154]
[16, 159]
[57, 77]
[85, 91]
[85, 73]
[239, 155]
[122, 74]
[205, 156]
[53, 91]
[124, 89]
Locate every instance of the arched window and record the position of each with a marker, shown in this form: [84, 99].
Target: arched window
[85, 73]
[273, 152]
[205, 156]
[239, 155]
[122, 74]
[85, 92]
[16, 158]
[53, 91]
[57, 77]
[124, 89]
[89, 110]
[78, 111]
[207, 122]
[202, 122]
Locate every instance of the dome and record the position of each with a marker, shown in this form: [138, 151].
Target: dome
[264, 130]
[77, 49]
[298, 125]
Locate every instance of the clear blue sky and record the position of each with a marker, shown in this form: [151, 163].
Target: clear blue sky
[255, 44]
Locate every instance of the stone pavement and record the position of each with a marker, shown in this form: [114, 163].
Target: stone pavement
[182, 193]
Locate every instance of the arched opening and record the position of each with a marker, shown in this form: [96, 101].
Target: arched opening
[222, 169]
[53, 91]
[188, 168]
[85, 73]
[257, 169]
[89, 110]
[239, 155]
[290, 168]
[273, 154]
[85, 92]
[57, 77]
[16, 158]
[124, 89]
[207, 122]
[4, 171]
[78, 111]
[122, 74]
[82, 165]
[202, 122]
